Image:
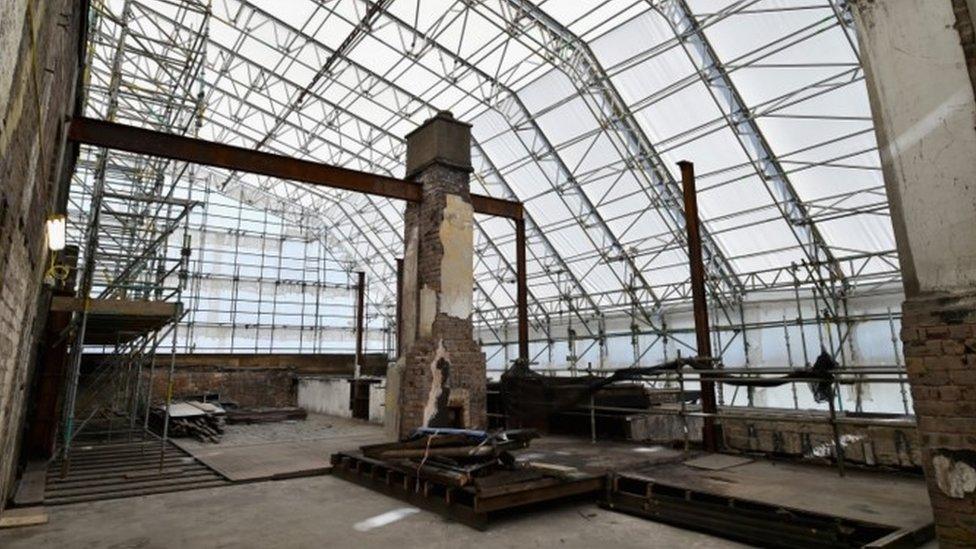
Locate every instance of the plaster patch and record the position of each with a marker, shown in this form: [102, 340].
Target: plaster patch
[391, 409]
[436, 383]
[457, 263]
[409, 309]
[428, 310]
[956, 479]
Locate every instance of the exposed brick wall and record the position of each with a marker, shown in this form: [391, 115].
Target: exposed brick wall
[785, 433]
[246, 387]
[939, 336]
[465, 368]
[39, 66]
[248, 379]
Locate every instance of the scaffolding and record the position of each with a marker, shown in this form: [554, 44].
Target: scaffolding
[245, 270]
[574, 117]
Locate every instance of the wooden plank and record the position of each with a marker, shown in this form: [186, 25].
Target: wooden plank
[74, 479]
[120, 307]
[135, 493]
[25, 516]
[102, 488]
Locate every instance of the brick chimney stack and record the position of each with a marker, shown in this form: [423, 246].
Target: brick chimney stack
[439, 379]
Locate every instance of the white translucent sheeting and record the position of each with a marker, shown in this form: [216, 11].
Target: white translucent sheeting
[585, 130]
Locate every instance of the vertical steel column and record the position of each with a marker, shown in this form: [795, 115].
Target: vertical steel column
[399, 307]
[360, 309]
[702, 334]
[522, 292]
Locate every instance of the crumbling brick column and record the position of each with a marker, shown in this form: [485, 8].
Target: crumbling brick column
[439, 379]
[939, 336]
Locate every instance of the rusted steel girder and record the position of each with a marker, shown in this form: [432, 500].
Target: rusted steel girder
[360, 325]
[100, 133]
[132, 139]
[702, 334]
[522, 292]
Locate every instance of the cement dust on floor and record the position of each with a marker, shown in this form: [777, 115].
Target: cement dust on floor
[327, 512]
[290, 448]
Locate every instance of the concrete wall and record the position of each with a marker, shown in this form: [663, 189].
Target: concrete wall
[377, 402]
[331, 396]
[922, 99]
[38, 67]
[325, 396]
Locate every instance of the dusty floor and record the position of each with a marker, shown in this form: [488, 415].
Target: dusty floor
[323, 511]
[314, 427]
[290, 448]
[326, 512]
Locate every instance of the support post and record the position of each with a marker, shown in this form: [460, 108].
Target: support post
[399, 307]
[521, 292]
[360, 310]
[702, 334]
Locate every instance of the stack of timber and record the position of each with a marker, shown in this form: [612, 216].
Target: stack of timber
[200, 420]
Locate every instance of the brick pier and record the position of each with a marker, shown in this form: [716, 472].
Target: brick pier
[439, 379]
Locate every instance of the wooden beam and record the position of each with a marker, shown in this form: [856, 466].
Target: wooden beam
[133, 308]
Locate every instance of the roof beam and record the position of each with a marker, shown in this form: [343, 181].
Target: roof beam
[122, 137]
[524, 118]
[598, 90]
[540, 234]
[754, 144]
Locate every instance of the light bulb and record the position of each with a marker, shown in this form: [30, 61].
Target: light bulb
[55, 232]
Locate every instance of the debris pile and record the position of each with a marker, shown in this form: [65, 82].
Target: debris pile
[457, 457]
[203, 421]
[465, 474]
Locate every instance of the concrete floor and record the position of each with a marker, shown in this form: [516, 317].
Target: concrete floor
[269, 450]
[326, 512]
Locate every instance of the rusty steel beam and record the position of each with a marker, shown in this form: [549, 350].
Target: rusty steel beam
[399, 307]
[702, 333]
[360, 327]
[522, 292]
[111, 135]
[100, 133]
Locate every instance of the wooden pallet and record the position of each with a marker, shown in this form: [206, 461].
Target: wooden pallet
[466, 504]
